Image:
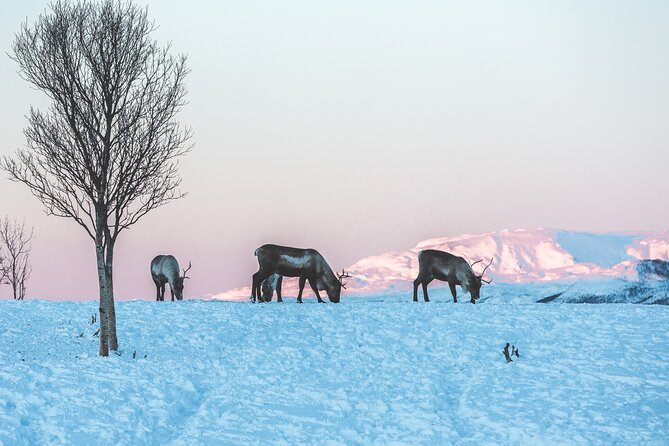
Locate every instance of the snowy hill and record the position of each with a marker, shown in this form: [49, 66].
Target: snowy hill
[519, 256]
[357, 373]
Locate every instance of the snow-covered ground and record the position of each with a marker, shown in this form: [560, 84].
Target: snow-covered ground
[612, 290]
[366, 371]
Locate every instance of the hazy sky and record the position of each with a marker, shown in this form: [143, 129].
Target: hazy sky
[361, 127]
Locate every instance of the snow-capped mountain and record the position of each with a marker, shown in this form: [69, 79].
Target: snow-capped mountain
[518, 256]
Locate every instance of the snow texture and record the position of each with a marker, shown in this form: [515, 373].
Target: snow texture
[368, 371]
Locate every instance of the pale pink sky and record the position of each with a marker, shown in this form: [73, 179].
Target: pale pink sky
[362, 127]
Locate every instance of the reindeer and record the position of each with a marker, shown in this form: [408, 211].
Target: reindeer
[307, 264]
[165, 269]
[440, 265]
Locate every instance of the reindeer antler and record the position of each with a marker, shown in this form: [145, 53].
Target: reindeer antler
[186, 270]
[341, 276]
[472, 264]
[486, 267]
[483, 272]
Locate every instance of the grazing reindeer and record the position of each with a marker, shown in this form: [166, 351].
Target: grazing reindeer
[165, 269]
[440, 265]
[307, 264]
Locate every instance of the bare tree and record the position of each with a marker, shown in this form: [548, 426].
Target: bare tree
[15, 241]
[3, 267]
[105, 153]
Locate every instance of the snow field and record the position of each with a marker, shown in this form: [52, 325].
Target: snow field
[369, 371]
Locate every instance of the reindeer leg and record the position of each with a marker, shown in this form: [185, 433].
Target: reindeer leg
[172, 293]
[299, 293]
[254, 287]
[315, 289]
[415, 289]
[425, 284]
[256, 292]
[278, 289]
[259, 290]
[157, 292]
[452, 287]
[162, 292]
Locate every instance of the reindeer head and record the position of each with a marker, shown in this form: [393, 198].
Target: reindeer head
[266, 290]
[179, 285]
[336, 294]
[474, 287]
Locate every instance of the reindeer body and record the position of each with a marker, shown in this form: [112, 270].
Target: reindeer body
[307, 264]
[440, 265]
[165, 269]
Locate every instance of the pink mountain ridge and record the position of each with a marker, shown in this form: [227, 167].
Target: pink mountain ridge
[519, 256]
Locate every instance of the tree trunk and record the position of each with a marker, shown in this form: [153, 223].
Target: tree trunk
[113, 340]
[14, 276]
[102, 280]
